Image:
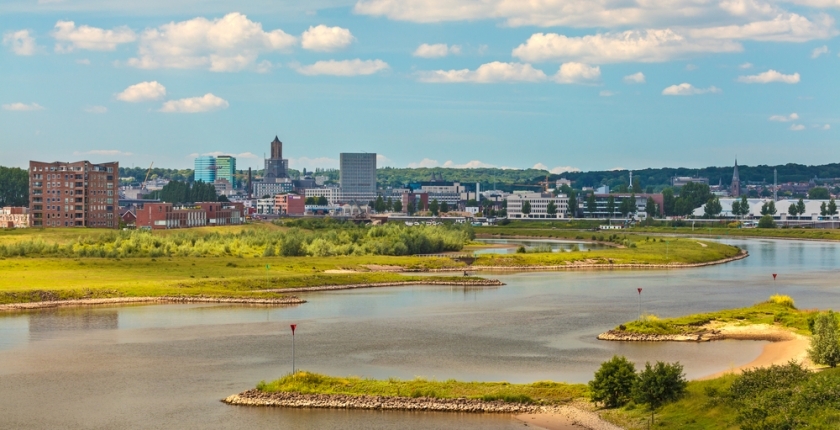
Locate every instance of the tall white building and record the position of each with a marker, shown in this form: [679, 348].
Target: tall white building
[357, 177]
[539, 205]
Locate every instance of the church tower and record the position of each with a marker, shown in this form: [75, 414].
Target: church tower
[735, 188]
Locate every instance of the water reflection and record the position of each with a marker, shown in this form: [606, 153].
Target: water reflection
[555, 245]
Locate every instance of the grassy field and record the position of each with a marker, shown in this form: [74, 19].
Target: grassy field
[544, 392]
[779, 310]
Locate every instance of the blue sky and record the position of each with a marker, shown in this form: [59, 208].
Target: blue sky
[558, 84]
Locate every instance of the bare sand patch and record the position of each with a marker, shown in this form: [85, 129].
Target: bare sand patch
[785, 346]
[574, 417]
[341, 271]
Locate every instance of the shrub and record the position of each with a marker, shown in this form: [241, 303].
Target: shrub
[613, 383]
[781, 299]
[766, 221]
[825, 342]
[660, 384]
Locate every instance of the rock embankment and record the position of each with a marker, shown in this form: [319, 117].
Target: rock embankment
[467, 282]
[165, 299]
[339, 401]
[624, 336]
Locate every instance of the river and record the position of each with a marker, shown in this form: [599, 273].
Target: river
[165, 366]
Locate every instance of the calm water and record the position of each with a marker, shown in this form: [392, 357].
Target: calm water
[556, 245]
[165, 366]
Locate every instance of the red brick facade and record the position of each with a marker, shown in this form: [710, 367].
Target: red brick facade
[79, 194]
[160, 216]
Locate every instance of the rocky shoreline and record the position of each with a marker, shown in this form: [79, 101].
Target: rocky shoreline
[256, 397]
[164, 299]
[623, 336]
[706, 333]
[465, 283]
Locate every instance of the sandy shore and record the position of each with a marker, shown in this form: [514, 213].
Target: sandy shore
[130, 300]
[566, 418]
[467, 282]
[784, 347]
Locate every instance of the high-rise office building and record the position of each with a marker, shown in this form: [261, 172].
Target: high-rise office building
[357, 177]
[80, 194]
[226, 168]
[205, 169]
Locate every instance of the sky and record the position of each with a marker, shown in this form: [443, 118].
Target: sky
[555, 84]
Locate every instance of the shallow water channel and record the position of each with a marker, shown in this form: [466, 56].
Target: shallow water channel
[166, 366]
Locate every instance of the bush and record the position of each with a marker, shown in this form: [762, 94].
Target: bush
[825, 342]
[781, 299]
[660, 384]
[766, 221]
[613, 383]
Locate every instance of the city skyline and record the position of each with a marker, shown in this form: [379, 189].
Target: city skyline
[502, 87]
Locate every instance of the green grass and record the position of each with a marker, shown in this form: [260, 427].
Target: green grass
[544, 392]
[779, 310]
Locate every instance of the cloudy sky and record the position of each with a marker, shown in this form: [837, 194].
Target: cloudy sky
[557, 84]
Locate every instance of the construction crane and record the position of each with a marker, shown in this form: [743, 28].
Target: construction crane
[149, 172]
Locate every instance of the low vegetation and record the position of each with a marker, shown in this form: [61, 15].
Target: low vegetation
[544, 392]
[778, 310]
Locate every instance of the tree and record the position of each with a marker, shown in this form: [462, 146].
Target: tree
[832, 208]
[696, 194]
[389, 204]
[637, 185]
[745, 206]
[610, 206]
[551, 208]
[660, 384]
[768, 208]
[766, 221]
[818, 193]
[444, 207]
[310, 201]
[573, 204]
[322, 201]
[823, 209]
[591, 205]
[668, 202]
[650, 207]
[792, 210]
[736, 208]
[379, 204]
[825, 342]
[613, 382]
[411, 208]
[14, 186]
[397, 205]
[800, 207]
[526, 207]
[434, 207]
[713, 208]
[471, 203]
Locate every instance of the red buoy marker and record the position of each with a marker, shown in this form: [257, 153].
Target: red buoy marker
[293, 326]
[640, 303]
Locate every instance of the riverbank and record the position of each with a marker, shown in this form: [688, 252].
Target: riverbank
[138, 300]
[467, 282]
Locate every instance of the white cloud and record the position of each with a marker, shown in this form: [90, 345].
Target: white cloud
[540, 166]
[310, 163]
[782, 118]
[473, 164]
[249, 155]
[96, 109]
[819, 51]
[426, 162]
[686, 89]
[144, 91]
[690, 67]
[615, 169]
[382, 160]
[344, 67]
[786, 27]
[69, 37]
[108, 152]
[826, 127]
[629, 46]
[487, 73]
[768, 77]
[437, 50]
[745, 66]
[206, 103]
[606, 93]
[326, 39]
[21, 42]
[226, 44]
[23, 106]
[83, 61]
[797, 127]
[556, 170]
[577, 73]
[635, 78]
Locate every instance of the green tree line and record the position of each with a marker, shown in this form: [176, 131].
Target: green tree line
[14, 187]
[186, 192]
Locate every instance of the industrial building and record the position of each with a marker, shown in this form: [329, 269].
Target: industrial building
[78, 194]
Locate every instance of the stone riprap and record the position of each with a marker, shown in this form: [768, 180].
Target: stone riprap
[165, 299]
[465, 283]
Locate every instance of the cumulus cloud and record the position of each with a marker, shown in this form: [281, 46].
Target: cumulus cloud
[787, 27]
[556, 170]
[106, 152]
[797, 127]
[577, 73]
[144, 91]
[382, 160]
[96, 109]
[426, 162]
[206, 103]
[83, 61]
[686, 89]
[473, 164]
[629, 46]
[769, 77]
[21, 42]
[784, 118]
[826, 127]
[326, 39]
[23, 106]
[249, 155]
[819, 51]
[437, 50]
[486, 73]
[344, 67]
[745, 66]
[69, 37]
[635, 78]
[226, 44]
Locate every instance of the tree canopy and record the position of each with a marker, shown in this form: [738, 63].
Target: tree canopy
[14, 187]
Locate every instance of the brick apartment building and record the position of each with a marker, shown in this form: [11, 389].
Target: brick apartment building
[14, 217]
[161, 216]
[79, 194]
[289, 204]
